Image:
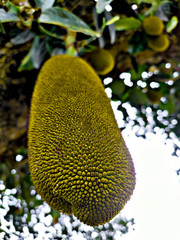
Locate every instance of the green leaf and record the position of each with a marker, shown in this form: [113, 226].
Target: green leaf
[112, 20]
[2, 30]
[101, 4]
[63, 18]
[172, 24]
[111, 27]
[137, 74]
[117, 87]
[7, 16]
[43, 4]
[49, 33]
[71, 51]
[137, 97]
[155, 6]
[127, 24]
[177, 129]
[22, 37]
[148, 1]
[34, 57]
[170, 105]
[153, 2]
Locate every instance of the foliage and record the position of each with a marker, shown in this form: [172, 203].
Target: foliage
[143, 78]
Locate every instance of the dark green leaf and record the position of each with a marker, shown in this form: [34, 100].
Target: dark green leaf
[111, 27]
[49, 33]
[170, 105]
[97, 25]
[137, 97]
[43, 4]
[124, 111]
[2, 30]
[101, 4]
[22, 37]
[153, 2]
[147, 1]
[177, 129]
[137, 74]
[7, 16]
[137, 43]
[63, 18]
[34, 57]
[125, 96]
[117, 87]
[127, 24]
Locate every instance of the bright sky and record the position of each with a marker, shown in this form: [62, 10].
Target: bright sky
[155, 204]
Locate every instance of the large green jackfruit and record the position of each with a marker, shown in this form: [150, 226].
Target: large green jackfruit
[78, 160]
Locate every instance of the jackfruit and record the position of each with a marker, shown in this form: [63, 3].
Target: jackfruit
[102, 61]
[78, 160]
[153, 26]
[159, 44]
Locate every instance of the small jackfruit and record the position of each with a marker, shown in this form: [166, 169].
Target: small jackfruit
[102, 61]
[78, 160]
[159, 44]
[153, 26]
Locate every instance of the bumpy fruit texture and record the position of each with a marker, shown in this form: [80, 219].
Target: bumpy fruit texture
[159, 44]
[153, 26]
[79, 162]
[102, 61]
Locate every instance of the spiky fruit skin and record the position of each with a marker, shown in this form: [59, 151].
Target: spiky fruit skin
[159, 44]
[78, 160]
[102, 61]
[153, 26]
